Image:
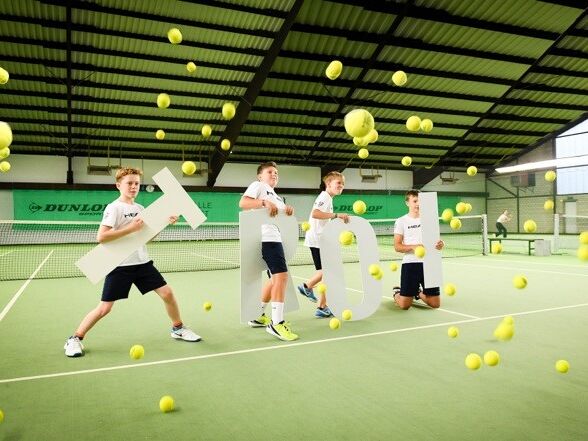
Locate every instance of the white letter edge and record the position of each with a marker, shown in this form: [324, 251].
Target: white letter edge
[103, 258]
[432, 267]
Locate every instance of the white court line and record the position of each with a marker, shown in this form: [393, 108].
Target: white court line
[214, 258]
[538, 270]
[279, 346]
[5, 254]
[22, 288]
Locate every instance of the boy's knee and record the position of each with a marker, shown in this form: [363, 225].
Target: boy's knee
[104, 309]
[165, 292]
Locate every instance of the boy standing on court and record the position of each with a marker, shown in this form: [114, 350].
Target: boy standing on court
[120, 219]
[322, 212]
[502, 219]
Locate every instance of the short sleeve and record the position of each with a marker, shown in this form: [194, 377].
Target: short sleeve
[322, 202]
[109, 216]
[254, 190]
[399, 226]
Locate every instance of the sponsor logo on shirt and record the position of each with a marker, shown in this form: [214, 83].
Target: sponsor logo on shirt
[414, 226]
[130, 215]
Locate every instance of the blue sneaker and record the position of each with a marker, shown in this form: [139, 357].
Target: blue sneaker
[323, 313]
[307, 292]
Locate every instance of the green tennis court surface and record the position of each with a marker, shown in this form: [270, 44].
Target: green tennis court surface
[396, 375]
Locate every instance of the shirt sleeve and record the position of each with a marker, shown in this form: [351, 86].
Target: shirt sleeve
[109, 216]
[399, 226]
[322, 203]
[254, 190]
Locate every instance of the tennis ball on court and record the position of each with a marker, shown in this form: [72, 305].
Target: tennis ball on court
[321, 288]
[4, 153]
[496, 248]
[473, 361]
[550, 176]
[372, 136]
[360, 142]
[305, 226]
[346, 237]
[530, 226]
[472, 170]
[413, 123]
[228, 110]
[359, 207]
[334, 323]
[5, 135]
[225, 144]
[491, 358]
[363, 153]
[461, 208]
[137, 352]
[334, 69]
[207, 306]
[447, 215]
[582, 252]
[163, 100]
[160, 134]
[504, 332]
[562, 366]
[520, 281]
[455, 224]
[166, 404]
[583, 235]
[419, 251]
[453, 331]
[191, 67]
[426, 125]
[399, 78]
[358, 123]
[347, 314]
[374, 269]
[188, 168]
[174, 36]
[406, 161]
[206, 130]
[508, 320]
[4, 166]
[4, 76]
[548, 205]
[449, 289]
[393, 266]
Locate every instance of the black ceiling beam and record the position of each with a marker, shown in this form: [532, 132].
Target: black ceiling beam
[559, 71]
[268, 12]
[577, 4]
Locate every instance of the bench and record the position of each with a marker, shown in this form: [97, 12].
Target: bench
[500, 239]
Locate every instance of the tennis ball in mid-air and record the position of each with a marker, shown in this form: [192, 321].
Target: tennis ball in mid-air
[548, 205]
[393, 266]
[374, 269]
[491, 358]
[305, 226]
[361, 142]
[468, 207]
[346, 238]
[166, 404]
[372, 136]
[455, 224]
[5, 135]
[419, 251]
[447, 215]
[496, 248]
[504, 332]
[160, 134]
[406, 161]
[4, 166]
[334, 323]
[461, 208]
[163, 100]
[413, 123]
[473, 361]
[4, 76]
[137, 352]
[584, 237]
[206, 130]
[359, 207]
[358, 123]
[191, 66]
[174, 36]
[550, 176]
[508, 320]
[426, 125]
[399, 78]
[1, 416]
[188, 168]
[562, 366]
[472, 170]
[321, 288]
[347, 314]
[334, 69]
[363, 153]
[228, 111]
[530, 226]
[4, 153]
[519, 281]
[453, 331]
[225, 144]
[582, 252]
[449, 289]
[207, 306]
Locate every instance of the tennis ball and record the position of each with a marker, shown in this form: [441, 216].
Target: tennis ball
[468, 207]
[378, 276]
[5, 135]
[399, 78]
[372, 136]
[166, 404]
[334, 323]
[461, 208]
[321, 288]
[374, 269]
[360, 142]
[191, 67]
[455, 224]
[363, 153]
[393, 266]
[358, 123]
[413, 123]
[508, 320]
[334, 69]
[347, 314]
[548, 205]
[426, 125]
[225, 144]
[228, 110]
[359, 207]
[582, 252]
[160, 134]
[4, 76]
[504, 332]
[305, 226]
[496, 248]
[137, 352]
[174, 36]
[188, 168]
[550, 176]
[406, 161]
[583, 236]
[4, 153]
[491, 358]
[447, 215]
[207, 306]
[419, 251]
[472, 170]
[520, 281]
[473, 361]
[163, 101]
[206, 130]
[449, 289]
[530, 226]
[562, 366]
[1, 416]
[4, 166]
[453, 331]
[346, 237]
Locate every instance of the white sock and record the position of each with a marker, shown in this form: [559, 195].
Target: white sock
[263, 305]
[277, 312]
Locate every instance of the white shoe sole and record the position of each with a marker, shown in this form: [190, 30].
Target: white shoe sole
[179, 337]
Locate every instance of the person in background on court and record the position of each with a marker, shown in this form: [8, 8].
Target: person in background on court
[502, 219]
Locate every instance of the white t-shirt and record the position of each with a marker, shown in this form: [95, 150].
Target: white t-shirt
[410, 228]
[502, 218]
[119, 214]
[260, 190]
[324, 203]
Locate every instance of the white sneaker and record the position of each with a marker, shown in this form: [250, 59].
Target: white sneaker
[74, 347]
[185, 334]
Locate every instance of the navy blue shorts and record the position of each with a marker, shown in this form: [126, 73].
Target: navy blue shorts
[316, 258]
[273, 255]
[412, 279]
[118, 282]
